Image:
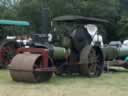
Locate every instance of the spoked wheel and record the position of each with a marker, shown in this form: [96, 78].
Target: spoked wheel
[92, 64]
[8, 51]
[92, 67]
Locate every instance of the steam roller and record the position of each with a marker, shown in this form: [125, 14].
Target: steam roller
[75, 55]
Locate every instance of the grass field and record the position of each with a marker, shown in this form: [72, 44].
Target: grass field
[109, 84]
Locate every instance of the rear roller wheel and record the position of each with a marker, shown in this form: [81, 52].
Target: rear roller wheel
[93, 66]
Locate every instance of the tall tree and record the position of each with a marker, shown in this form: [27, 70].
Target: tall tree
[8, 9]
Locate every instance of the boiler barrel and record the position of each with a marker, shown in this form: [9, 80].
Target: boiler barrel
[123, 52]
[111, 53]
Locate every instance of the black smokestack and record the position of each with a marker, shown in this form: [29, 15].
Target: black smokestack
[44, 17]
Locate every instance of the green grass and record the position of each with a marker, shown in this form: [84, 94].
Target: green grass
[109, 84]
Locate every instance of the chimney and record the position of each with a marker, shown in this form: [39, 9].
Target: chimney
[44, 20]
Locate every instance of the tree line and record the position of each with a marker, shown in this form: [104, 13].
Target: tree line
[115, 11]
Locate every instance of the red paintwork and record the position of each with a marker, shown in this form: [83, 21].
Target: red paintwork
[44, 53]
[46, 69]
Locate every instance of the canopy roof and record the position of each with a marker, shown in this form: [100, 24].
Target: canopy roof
[79, 19]
[14, 22]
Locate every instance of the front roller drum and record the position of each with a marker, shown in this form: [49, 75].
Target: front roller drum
[24, 68]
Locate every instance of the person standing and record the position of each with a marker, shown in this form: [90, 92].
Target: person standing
[97, 39]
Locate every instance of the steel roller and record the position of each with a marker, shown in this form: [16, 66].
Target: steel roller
[23, 68]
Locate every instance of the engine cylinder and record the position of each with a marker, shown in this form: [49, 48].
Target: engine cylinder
[59, 53]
